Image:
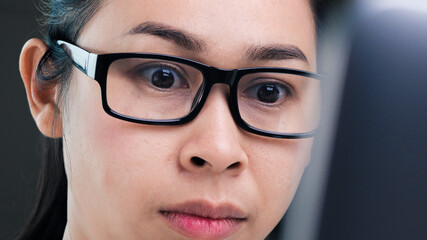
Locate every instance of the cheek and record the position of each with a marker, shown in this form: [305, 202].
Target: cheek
[110, 163]
[278, 170]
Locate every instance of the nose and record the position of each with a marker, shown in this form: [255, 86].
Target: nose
[213, 145]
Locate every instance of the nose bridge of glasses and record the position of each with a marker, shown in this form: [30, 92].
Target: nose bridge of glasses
[226, 76]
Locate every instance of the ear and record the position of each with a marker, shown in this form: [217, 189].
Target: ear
[41, 98]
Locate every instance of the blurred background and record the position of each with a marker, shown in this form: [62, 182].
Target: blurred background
[19, 137]
[367, 179]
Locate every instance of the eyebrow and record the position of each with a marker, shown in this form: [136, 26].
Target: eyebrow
[195, 44]
[180, 37]
[276, 52]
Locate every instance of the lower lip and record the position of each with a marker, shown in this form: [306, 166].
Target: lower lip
[200, 227]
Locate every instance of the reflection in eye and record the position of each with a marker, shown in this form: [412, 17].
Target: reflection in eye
[161, 75]
[268, 92]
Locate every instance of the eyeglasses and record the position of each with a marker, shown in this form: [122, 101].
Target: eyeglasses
[166, 90]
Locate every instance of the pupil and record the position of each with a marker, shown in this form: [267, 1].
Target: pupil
[268, 93]
[162, 78]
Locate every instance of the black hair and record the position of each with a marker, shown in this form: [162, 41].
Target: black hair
[64, 20]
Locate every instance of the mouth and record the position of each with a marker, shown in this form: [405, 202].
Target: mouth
[201, 219]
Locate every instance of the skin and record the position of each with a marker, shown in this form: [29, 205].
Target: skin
[120, 173]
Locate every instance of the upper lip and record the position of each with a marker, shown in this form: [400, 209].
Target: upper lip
[206, 209]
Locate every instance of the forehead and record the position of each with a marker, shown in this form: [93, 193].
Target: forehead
[226, 26]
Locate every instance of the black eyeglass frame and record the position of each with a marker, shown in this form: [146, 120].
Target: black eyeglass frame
[96, 67]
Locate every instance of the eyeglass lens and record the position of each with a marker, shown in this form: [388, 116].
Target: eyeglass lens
[153, 89]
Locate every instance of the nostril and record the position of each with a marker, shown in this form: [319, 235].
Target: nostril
[234, 165]
[198, 161]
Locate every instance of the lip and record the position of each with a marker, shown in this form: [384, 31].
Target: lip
[202, 219]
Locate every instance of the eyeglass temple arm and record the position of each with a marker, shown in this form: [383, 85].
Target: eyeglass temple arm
[83, 59]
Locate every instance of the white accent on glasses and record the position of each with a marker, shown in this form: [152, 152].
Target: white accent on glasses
[85, 60]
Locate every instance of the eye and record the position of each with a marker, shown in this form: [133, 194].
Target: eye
[162, 76]
[268, 92]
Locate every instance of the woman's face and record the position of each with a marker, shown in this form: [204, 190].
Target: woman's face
[134, 181]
